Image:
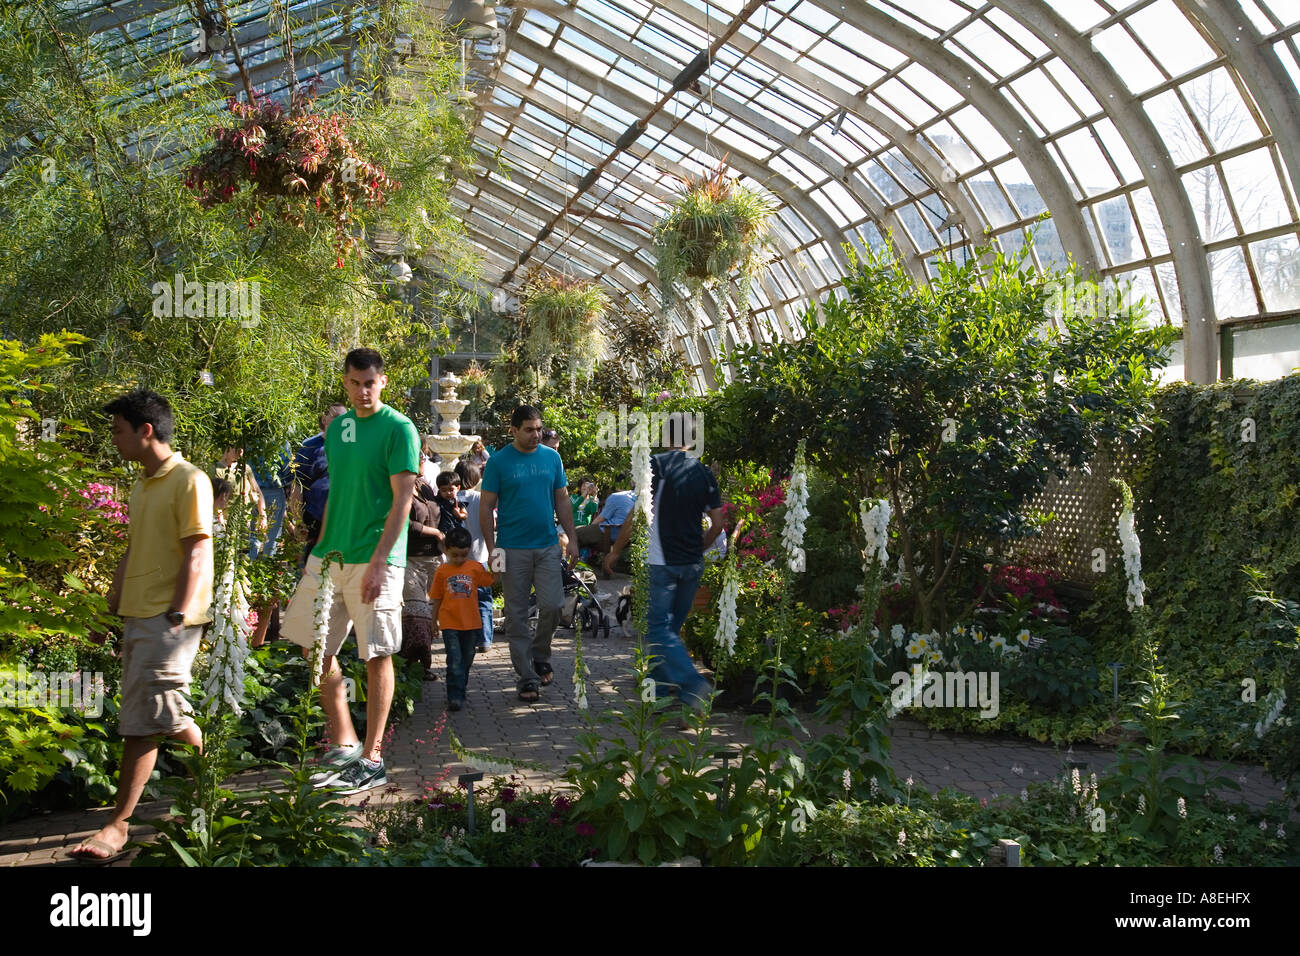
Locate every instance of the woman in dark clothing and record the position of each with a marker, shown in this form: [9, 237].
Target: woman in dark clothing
[423, 555]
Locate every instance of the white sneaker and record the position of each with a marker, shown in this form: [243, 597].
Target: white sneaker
[335, 761]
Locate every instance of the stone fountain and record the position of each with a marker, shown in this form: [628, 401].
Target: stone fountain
[449, 443]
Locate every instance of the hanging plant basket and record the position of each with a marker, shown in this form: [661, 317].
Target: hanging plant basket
[562, 317]
[295, 162]
[715, 228]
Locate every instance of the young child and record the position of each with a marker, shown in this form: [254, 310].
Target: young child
[454, 594]
[452, 515]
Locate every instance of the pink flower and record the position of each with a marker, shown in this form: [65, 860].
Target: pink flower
[585, 829]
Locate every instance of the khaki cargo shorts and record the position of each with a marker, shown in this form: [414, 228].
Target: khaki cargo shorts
[157, 659]
[379, 625]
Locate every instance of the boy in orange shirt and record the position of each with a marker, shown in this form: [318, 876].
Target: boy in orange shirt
[454, 593]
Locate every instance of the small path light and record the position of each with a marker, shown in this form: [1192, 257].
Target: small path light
[1115, 666]
[727, 756]
[467, 780]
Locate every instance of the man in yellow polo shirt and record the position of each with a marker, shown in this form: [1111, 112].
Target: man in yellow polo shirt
[162, 590]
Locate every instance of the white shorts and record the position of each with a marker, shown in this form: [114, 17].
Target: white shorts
[379, 625]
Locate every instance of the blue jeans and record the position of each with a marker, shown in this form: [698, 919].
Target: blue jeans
[460, 647]
[672, 592]
[485, 612]
[276, 505]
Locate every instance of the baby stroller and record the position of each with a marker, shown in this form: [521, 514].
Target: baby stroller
[580, 599]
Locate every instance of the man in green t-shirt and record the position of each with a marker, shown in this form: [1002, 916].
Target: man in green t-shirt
[373, 454]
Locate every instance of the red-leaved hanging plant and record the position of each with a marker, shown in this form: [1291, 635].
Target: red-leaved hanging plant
[297, 162]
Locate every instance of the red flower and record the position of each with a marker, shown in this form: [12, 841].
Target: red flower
[585, 829]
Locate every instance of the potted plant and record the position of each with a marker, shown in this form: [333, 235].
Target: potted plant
[295, 161]
[715, 227]
[561, 317]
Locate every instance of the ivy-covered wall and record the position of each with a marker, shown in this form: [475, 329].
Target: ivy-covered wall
[1216, 489]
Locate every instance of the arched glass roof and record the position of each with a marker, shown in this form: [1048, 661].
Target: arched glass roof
[1161, 136]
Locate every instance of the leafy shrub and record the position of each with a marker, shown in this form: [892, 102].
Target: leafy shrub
[513, 827]
[948, 397]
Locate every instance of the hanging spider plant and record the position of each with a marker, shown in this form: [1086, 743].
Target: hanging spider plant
[715, 228]
[561, 316]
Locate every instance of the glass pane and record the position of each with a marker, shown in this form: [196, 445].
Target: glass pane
[1044, 102]
[979, 133]
[1118, 150]
[1213, 215]
[1233, 295]
[1217, 106]
[1086, 161]
[1277, 263]
[1175, 128]
[990, 48]
[1265, 353]
[1118, 230]
[1126, 58]
[1252, 182]
[1170, 37]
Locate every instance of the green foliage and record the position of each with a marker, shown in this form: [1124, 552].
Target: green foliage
[1277, 731]
[649, 794]
[954, 399]
[1207, 505]
[513, 827]
[879, 834]
[859, 703]
[97, 222]
[1050, 821]
[293, 824]
[49, 525]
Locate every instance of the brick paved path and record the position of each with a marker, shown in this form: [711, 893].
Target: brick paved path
[498, 726]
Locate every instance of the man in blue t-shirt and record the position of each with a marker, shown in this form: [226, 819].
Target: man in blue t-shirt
[682, 490]
[526, 485]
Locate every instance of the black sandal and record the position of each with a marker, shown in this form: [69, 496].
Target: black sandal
[545, 672]
[529, 694]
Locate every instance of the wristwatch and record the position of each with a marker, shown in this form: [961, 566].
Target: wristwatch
[175, 618]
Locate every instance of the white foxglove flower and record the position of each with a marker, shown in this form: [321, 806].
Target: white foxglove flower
[580, 681]
[1142, 803]
[847, 780]
[1132, 549]
[642, 478]
[875, 788]
[1281, 832]
[902, 837]
[322, 606]
[796, 513]
[875, 523]
[725, 635]
[230, 630]
[1275, 700]
[1182, 808]
[1218, 853]
[1024, 795]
